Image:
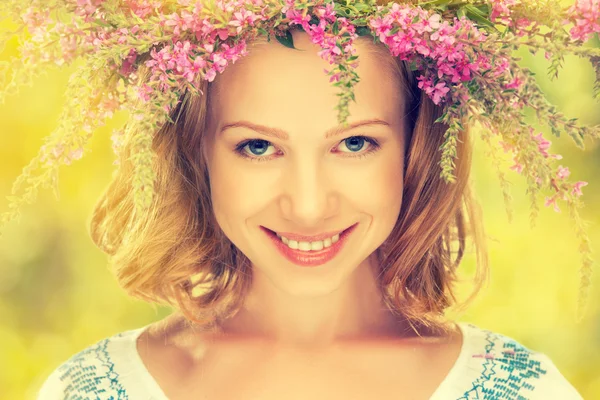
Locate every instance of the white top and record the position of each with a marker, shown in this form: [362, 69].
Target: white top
[489, 366]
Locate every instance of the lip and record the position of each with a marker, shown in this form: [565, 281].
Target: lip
[310, 258]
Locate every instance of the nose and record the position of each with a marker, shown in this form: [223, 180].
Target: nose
[309, 196]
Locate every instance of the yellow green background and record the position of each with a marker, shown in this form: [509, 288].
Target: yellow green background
[58, 296]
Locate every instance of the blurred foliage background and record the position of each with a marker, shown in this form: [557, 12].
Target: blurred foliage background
[58, 296]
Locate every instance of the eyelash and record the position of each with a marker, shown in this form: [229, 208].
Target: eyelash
[239, 150]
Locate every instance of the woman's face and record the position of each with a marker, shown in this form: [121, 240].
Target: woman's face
[304, 181]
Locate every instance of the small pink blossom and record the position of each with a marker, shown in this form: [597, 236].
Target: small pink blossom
[210, 75]
[334, 77]
[506, 146]
[76, 154]
[563, 172]
[577, 188]
[143, 8]
[543, 144]
[87, 8]
[501, 10]
[242, 19]
[552, 201]
[517, 166]
[585, 14]
[515, 84]
[144, 92]
[297, 18]
[437, 92]
[326, 13]
[128, 64]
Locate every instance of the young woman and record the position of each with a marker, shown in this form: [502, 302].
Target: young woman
[307, 237]
[322, 258]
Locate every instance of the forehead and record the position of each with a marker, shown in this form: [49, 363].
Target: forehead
[277, 86]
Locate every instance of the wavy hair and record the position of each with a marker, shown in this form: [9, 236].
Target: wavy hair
[177, 255]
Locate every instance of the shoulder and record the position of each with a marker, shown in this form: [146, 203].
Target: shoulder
[502, 367]
[93, 373]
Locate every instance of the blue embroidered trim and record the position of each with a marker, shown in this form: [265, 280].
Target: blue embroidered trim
[507, 374]
[90, 375]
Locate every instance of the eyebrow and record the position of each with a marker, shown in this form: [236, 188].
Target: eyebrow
[283, 135]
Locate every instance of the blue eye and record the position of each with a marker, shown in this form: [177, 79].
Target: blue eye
[258, 147]
[355, 143]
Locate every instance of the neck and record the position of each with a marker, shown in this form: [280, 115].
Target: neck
[353, 311]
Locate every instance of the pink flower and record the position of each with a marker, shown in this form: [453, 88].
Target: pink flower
[210, 75]
[517, 165]
[543, 144]
[35, 18]
[382, 27]
[501, 10]
[192, 70]
[515, 84]
[506, 146]
[334, 77]
[437, 93]
[243, 18]
[87, 7]
[144, 92]
[585, 14]
[563, 172]
[327, 13]
[427, 25]
[296, 18]
[127, 67]
[577, 188]
[142, 8]
[552, 201]
[76, 154]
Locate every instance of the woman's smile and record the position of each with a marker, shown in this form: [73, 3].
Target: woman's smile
[310, 254]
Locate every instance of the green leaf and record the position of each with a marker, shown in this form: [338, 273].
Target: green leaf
[362, 7]
[441, 118]
[339, 9]
[476, 15]
[287, 40]
[363, 31]
[433, 3]
[335, 28]
[102, 23]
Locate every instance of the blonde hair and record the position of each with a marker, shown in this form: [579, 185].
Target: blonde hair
[177, 254]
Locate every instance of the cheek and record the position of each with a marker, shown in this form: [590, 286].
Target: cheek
[232, 188]
[382, 188]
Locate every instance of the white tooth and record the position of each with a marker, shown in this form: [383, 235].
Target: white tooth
[304, 246]
[309, 246]
[316, 245]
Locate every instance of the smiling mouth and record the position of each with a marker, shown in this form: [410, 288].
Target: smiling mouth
[306, 239]
[310, 258]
